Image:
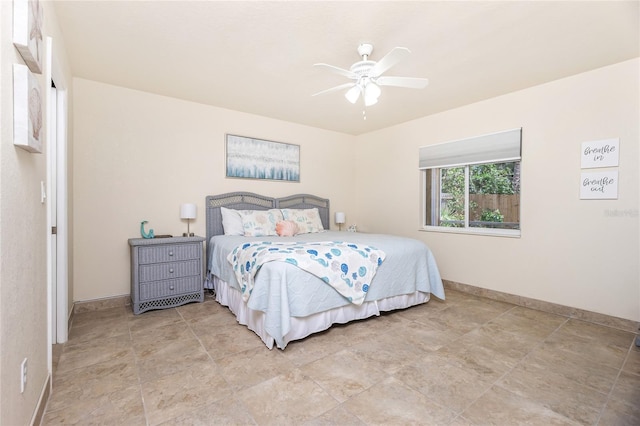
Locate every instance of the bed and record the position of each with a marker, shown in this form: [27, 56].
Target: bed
[286, 303]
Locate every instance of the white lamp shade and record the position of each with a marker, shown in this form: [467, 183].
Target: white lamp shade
[371, 94]
[187, 211]
[340, 217]
[353, 94]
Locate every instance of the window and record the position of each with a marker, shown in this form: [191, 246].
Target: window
[473, 185]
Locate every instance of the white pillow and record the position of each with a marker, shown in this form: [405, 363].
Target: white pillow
[231, 222]
[308, 220]
[259, 223]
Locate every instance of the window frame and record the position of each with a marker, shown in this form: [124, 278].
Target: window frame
[428, 198]
[435, 195]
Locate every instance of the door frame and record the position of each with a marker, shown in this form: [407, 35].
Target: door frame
[57, 289]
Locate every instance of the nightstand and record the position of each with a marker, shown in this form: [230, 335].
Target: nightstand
[165, 272]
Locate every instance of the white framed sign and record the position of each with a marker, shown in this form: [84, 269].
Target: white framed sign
[602, 153]
[599, 185]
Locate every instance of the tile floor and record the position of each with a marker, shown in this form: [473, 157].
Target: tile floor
[464, 361]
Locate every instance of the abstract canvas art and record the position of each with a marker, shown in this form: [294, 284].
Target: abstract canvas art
[27, 32]
[252, 158]
[27, 110]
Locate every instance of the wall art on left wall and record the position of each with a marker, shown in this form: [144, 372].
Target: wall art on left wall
[27, 110]
[27, 32]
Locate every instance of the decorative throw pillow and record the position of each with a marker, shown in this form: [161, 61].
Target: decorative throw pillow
[260, 223]
[286, 228]
[308, 220]
[231, 222]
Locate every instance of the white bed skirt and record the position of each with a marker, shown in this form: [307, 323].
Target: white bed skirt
[301, 327]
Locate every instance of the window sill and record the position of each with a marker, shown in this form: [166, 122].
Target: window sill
[510, 233]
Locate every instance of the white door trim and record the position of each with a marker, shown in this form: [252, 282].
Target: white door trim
[62, 269]
[51, 305]
[57, 289]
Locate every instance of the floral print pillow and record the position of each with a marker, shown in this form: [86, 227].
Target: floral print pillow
[260, 223]
[308, 220]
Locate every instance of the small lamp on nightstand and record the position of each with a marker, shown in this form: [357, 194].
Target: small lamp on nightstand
[187, 211]
[340, 219]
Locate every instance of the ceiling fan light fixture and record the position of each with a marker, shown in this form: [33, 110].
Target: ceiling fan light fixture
[370, 101]
[371, 94]
[353, 94]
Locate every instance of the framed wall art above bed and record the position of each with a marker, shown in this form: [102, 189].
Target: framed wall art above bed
[251, 158]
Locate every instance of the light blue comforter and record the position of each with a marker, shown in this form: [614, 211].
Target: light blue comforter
[283, 290]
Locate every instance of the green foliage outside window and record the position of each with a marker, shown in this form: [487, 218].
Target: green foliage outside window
[495, 178]
[492, 216]
[453, 189]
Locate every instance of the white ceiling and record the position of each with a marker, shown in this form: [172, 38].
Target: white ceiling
[258, 56]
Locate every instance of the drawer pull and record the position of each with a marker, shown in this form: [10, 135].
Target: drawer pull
[170, 253]
[171, 270]
[170, 287]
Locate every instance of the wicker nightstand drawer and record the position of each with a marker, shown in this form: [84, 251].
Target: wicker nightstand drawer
[171, 253]
[169, 270]
[158, 289]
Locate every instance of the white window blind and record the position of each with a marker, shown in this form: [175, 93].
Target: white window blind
[494, 148]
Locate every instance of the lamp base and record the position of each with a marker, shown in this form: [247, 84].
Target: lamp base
[188, 233]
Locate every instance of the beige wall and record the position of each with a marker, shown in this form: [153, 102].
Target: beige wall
[23, 236]
[138, 156]
[572, 252]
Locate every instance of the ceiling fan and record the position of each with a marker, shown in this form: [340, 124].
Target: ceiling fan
[367, 75]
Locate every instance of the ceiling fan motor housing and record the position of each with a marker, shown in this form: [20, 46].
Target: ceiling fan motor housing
[362, 68]
[365, 49]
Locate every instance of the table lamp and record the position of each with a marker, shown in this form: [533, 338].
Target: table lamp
[340, 219]
[187, 211]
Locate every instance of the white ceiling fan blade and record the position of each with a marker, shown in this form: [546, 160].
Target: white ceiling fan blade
[334, 89]
[409, 82]
[337, 70]
[390, 59]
